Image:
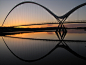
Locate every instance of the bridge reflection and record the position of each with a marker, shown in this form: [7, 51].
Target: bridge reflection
[61, 33]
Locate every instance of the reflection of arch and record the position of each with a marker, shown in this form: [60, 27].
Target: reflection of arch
[64, 45]
[64, 17]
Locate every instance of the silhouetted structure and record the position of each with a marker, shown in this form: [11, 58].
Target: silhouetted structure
[64, 17]
[60, 31]
[60, 19]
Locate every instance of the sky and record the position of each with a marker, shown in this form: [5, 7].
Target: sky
[30, 13]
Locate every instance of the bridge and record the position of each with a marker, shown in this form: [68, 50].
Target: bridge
[58, 30]
[60, 19]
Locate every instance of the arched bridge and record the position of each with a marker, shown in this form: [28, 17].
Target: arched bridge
[64, 17]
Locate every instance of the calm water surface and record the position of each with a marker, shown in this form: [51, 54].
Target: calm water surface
[47, 52]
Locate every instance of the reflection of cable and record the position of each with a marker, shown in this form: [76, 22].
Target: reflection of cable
[64, 45]
[45, 39]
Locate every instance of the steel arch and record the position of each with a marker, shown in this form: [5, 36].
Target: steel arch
[64, 17]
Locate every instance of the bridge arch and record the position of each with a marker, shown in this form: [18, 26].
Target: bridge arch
[32, 3]
[72, 10]
[64, 17]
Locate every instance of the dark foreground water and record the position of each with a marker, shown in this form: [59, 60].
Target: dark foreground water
[43, 49]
